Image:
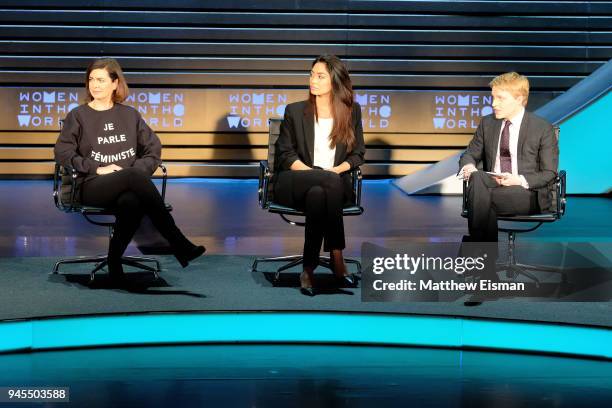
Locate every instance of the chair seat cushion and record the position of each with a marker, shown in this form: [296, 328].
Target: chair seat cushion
[85, 209]
[89, 210]
[545, 217]
[281, 209]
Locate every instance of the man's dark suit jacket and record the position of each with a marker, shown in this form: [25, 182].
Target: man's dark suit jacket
[537, 151]
[296, 140]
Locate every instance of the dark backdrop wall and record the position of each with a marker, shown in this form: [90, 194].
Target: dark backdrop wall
[207, 74]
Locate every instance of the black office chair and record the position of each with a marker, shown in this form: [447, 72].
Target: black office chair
[66, 200]
[512, 268]
[266, 202]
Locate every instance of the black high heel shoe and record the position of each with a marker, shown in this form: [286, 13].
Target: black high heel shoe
[306, 288]
[347, 280]
[185, 257]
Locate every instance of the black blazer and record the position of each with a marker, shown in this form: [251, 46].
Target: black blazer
[537, 153]
[296, 139]
[296, 142]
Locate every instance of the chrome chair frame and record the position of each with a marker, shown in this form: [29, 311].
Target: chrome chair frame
[67, 176]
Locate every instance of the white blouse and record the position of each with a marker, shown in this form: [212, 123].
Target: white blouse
[323, 155]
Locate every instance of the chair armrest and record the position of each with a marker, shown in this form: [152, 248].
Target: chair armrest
[561, 199]
[164, 180]
[464, 198]
[357, 178]
[560, 183]
[56, 184]
[71, 205]
[264, 182]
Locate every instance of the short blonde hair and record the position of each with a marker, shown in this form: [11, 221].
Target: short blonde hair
[513, 82]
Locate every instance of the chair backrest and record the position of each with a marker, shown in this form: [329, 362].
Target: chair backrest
[64, 183]
[66, 187]
[273, 133]
[554, 189]
[274, 125]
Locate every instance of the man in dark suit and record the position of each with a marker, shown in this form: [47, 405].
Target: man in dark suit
[521, 150]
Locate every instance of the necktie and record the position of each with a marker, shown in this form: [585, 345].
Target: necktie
[505, 160]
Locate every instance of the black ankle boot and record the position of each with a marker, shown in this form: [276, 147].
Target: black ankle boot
[186, 256]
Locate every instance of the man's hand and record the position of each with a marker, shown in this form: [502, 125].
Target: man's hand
[508, 179]
[467, 171]
[108, 169]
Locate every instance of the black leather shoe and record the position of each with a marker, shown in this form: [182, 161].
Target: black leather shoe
[185, 257]
[307, 291]
[347, 280]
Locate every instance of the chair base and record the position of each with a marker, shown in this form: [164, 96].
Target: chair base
[294, 260]
[102, 260]
[514, 270]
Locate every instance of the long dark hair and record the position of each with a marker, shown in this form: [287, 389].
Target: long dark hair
[341, 101]
[114, 72]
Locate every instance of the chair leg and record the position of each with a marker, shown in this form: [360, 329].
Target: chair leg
[325, 261]
[289, 258]
[137, 262]
[510, 267]
[294, 260]
[79, 259]
[92, 274]
[354, 262]
[543, 268]
[102, 260]
[514, 269]
[299, 260]
[275, 259]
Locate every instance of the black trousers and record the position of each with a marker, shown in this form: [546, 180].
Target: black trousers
[131, 194]
[321, 195]
[486, 199]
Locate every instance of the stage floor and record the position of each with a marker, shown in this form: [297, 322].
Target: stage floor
[224, 216]
[215, 283]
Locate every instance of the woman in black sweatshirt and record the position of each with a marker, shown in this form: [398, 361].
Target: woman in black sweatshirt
[115, 153]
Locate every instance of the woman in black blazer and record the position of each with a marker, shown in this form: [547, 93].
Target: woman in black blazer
[321, 140]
